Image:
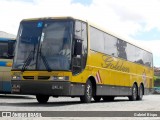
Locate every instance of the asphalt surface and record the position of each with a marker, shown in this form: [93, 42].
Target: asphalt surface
[20, 103]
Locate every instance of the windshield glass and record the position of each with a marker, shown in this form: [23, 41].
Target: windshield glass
[6, 49]
[27, 42]
[3, 49]
[44, 45]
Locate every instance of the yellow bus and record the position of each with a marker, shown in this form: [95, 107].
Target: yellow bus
[66, 56]
[6, 56]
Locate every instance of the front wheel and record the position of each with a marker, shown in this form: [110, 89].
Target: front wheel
[42, 98]
[88, 93]
[134, 95]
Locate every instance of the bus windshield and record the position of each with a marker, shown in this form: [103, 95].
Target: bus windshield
[44, 45]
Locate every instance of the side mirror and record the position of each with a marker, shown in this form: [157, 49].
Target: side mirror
[78, 47]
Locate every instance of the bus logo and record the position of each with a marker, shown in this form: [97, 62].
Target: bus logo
[110, 63]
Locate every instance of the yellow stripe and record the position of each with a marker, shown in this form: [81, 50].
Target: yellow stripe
[9, 64]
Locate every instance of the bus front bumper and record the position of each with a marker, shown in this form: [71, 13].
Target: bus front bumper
[54, 88]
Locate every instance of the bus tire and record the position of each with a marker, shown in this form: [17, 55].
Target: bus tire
[134, 95]
[108, 98]
[42, 98]
[97, 98]
[88, 93]
[140, 95]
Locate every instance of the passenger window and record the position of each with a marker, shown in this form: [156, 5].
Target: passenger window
[97, 40]
[131, 53]
[110, 45]
[139, 56]
[121, 48]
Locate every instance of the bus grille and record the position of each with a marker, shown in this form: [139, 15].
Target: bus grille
[28, 77]
[36, 77]
[43, 77]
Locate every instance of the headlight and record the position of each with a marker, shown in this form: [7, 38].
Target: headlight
[16, 77]
[60, 78]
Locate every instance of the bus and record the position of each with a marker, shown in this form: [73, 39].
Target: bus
[6, 56]
[67, 56]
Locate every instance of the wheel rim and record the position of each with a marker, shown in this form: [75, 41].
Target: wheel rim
[140, 92]
[134, 92]
[89, 91]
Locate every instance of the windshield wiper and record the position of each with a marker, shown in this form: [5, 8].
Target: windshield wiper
[29, 59]
[45, 61]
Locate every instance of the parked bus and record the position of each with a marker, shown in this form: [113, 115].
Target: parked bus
[6, 56]
[65, 56]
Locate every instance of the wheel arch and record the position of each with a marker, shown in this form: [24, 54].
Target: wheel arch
[94, 85]
[142, 87]
[136, 84]
[139, 86]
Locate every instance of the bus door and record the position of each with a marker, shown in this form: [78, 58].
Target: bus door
[80, 47]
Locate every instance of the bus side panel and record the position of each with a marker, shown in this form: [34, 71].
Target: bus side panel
[117, 76]
[79, 81]
[5, 76]
[109, 80]
[6, 81]
[145, 76]
[1, 80]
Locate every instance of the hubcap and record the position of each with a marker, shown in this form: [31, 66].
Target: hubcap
[140, 94]
[134, 93]
[89, 91]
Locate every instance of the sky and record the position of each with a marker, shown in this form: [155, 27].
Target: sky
[136, 20]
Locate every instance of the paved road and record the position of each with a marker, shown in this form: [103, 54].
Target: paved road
[29, 103]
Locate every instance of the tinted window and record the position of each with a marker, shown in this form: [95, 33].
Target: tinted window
[97, 40]
[78, 29]
[121, 48]
[147, 58]
[4, 50]
[110, 45]
[84, 46]
[130, 51]
[11, 47]
[139, 56]
[79, 61]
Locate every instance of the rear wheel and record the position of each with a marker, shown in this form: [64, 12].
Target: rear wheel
[86, 98]
[140, 95]
[42, 98]
[134, 95]
[97, 98]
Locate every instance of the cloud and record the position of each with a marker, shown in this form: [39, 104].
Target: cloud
[154, 47]
[124, 17]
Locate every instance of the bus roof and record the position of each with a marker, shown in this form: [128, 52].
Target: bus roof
[6, 39]
[93, 25]
[45, 18]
